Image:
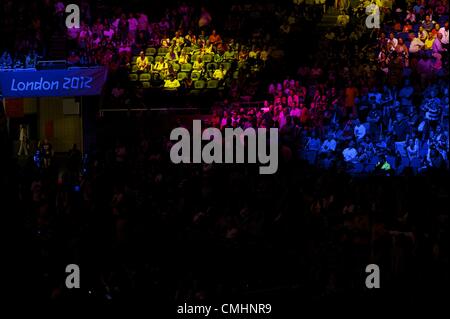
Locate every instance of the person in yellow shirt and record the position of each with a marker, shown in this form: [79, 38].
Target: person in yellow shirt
[229, 54]
[142, 63]
[198, 65]
[178, 39]
[219, 74]
[429, 41]
[165, 41]
[253, 54]
[171, 56]
[172, 83]
[184, 58]
[161, 67]
[190, 38]
[208, 48]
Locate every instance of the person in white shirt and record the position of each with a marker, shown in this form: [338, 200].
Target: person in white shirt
[444, 32]
[359, 130]
[23, 140]
[392, 42]
[329, 145]
[416, 44]
[350, 153]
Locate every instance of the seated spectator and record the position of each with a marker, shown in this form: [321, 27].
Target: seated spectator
[437, 44]
[30, 60]
[415, 43]
[171, 83]
[142, 62]
[108, 32]
[359, 129]
[413, 149]
[343, 19]
[444, 32]
[423, 34]
[171, 56]
[6, 60]
[350, 154]
[313, 143]
[428, 24]
[214, 38]
[188, 82]
[190, 38]
[429, 42]
[184, 57]
[161, 67]
[229, 54]
[329, 145]
[165, 41]
[209, 48]
[407, 27]
[436, 29]
[219, 74]
[392, 42]
[198, 65]
[383, 164]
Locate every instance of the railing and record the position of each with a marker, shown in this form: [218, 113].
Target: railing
[159, 109]
[246, 104]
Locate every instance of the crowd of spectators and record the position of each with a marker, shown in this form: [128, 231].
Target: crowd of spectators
[144, 229]
[18, 61]
[369, 100]
[180, 49]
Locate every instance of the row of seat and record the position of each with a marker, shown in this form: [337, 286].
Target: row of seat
[206, 58]
[180, 76]
[187, 67]
[163, 51]
[146, 77]
[197, 85]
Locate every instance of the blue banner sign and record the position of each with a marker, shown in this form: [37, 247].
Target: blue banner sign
[70, 82]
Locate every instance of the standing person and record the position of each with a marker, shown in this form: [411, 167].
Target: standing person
[23, 140]
[74, 159]
[47, 153]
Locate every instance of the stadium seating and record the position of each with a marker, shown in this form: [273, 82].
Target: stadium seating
[163, 51]
[195, 75]
[144, 77]
[211, 66]
[212, 84]
[200, 84]
[186, 67]
[207, 58]
[150, 51]
[146, 85]
[181, 76]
